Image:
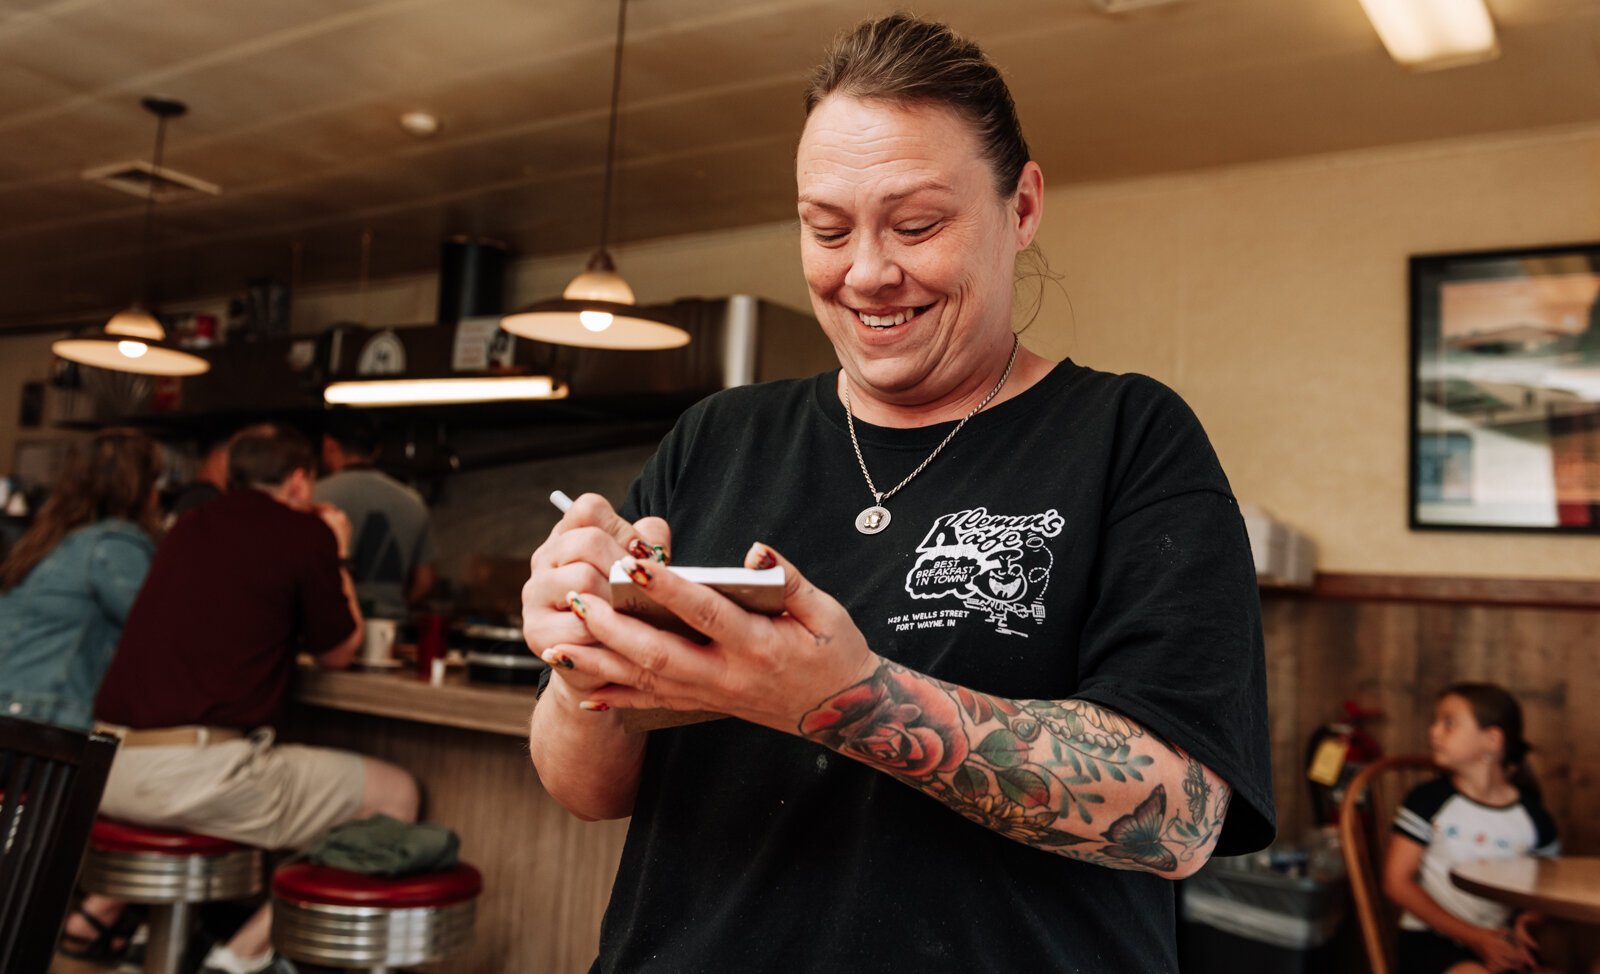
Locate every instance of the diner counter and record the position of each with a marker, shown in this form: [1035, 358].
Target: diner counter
[547, 875]
[398, 693]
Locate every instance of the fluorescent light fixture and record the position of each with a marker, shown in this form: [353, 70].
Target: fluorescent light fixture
[429, 392]
[1429, 34]
[1123, 6]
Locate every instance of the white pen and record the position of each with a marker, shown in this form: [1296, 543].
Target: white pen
[562, 502]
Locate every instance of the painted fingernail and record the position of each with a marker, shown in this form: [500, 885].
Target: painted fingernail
[641, 575]
[764, 558]
[575, 601]
[594, 705]
[659, 553]
[557, 658]
[638, 549]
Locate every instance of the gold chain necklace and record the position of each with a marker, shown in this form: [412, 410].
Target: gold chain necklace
[875, 518]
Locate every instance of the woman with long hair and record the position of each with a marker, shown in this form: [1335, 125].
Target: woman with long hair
[68, 583]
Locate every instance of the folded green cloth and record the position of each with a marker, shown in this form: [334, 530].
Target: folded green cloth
[383, 846]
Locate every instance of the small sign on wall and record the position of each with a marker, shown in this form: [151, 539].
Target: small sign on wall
[481, 346]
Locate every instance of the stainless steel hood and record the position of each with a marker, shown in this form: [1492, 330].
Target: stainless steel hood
[734, 341]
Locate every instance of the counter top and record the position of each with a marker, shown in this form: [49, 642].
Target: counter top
[458, 703]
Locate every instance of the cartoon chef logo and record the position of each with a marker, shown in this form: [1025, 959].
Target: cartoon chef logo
[994, 564]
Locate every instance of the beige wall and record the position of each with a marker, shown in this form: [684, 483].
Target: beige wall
[1273, 297]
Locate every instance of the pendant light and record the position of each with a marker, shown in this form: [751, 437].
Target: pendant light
[133, 340]
[597, 309]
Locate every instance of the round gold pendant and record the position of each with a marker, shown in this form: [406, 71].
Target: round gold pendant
[872, 520]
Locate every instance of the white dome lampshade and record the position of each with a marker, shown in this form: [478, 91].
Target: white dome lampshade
[596, 311]
[132, 341]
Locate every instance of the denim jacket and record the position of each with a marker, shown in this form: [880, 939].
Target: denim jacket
[59, 627]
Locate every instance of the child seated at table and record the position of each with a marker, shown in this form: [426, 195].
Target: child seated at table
[1485, 805]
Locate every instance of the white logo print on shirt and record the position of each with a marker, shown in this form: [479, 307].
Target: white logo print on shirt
[995, 564]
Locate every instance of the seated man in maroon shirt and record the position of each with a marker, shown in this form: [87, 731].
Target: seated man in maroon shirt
[239, 586]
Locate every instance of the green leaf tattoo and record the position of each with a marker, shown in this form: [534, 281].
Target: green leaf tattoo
[1037, 771]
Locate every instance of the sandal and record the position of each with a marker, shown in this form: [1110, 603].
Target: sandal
[109, 940]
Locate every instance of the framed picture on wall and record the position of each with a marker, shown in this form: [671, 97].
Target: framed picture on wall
[1505, 390]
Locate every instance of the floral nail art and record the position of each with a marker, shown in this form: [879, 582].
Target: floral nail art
[764, 556]
[641, 575]
[647, 552]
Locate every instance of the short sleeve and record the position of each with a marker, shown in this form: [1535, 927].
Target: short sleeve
[1173, 639]
[324, 609]
[1546, 842]
[118, 564]
[1414, 818]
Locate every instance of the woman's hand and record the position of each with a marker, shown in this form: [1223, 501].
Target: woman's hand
[590, 765]
[578, 555]
[767, 670]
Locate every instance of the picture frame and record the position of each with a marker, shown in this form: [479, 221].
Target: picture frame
[1505, 390]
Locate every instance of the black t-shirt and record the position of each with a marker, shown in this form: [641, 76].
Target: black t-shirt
[238, 586]
[1078, 540]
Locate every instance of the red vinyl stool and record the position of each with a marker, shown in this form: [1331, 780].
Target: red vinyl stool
[336, 918]
[170, 871]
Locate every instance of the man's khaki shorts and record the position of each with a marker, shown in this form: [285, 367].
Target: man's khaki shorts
[247, 790]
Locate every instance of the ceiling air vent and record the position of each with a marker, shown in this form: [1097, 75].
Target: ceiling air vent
[135, 178]
[1123, 6]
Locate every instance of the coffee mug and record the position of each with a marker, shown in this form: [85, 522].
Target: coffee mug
[377, 646]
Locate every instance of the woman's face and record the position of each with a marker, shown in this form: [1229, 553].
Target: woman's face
[908, 250]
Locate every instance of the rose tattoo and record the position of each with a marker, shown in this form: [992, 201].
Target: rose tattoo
[895, 721]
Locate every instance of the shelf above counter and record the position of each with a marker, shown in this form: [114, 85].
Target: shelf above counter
[399, 694]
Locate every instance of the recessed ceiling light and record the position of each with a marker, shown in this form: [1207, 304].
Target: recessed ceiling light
[420, 124]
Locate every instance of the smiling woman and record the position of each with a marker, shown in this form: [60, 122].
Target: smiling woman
[1046, 626]
[909, 255]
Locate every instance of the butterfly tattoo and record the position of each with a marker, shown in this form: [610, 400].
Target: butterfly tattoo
[1137, 835]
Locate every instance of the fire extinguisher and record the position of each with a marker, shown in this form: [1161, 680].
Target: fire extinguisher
[1336, 753]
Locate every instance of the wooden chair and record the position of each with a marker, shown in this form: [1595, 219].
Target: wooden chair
[1366, 816]
[50, 784]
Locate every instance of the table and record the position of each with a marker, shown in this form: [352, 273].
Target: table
[1566, 886]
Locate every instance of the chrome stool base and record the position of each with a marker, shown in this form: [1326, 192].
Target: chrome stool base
[171, 885]
[372, 938]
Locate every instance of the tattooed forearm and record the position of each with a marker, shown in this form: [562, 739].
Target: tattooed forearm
[1063, 775]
